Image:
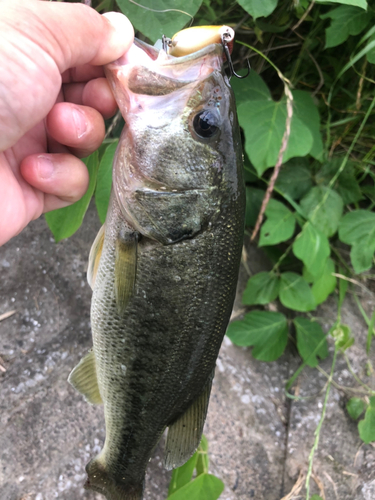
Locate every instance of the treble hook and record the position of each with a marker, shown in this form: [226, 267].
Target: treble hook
[229, 59]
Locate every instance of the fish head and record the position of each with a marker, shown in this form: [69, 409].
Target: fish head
[181, 131]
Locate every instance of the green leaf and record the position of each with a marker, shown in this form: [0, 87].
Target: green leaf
[261, 288]
[258, 8]
[182, 475]
[366, 426]
[252, 88]
[346, 21]
[371, 53]
[316, 497]
[202, 457]
[266, 331]
[357, 228]
[346, 184]
[263, 123]
[254, 198]
[295, 178]
[362, 253]
[356, 225]
[325, 284]
[324, 208]
[295, 293]
[279, 226]
[204, 487]
[65, 221]
[308, 113]
[355, 408]
[356, 3]
[342, 335]
[165, 22]
[104, 181]
[309, 336]
[312, 247]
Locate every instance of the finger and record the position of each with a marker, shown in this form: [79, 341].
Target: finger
[79, 127]
[95, 94]
[79, 35]
[82, 73]
[64, 177]
[41, 40]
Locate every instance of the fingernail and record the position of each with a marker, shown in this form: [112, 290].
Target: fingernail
[46, 168]
[80, 122]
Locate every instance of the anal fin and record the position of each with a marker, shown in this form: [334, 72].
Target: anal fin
[185, 434]
[125, 268]
[84, 379]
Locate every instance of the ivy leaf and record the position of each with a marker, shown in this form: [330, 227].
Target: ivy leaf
[64, 222]
[355, 225]
[258, 8]
[324, 208]
[279, 226]
[182, 475]
[366, 426]
[312, 247]
[345, 21]
[309, 336]
[254, 198]
[357, 228]
[261, 288]
[325, 284]
[346, 184]
[263, 123]
[356, 3]
[308, 113]
[266, 331]
[342, 335]
[155, 24]
[252, 88]
[362, 253]
[203, 487]
[295, 178]
[104, 181]
[295, 293]
[355, 407]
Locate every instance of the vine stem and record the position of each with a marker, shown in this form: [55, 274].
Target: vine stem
[319, 428]
[275, 174]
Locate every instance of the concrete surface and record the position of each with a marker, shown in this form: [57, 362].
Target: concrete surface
[259, 439]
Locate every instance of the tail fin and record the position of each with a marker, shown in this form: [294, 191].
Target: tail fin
[113, 488]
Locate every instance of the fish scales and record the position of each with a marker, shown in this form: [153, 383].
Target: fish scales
[174, 230]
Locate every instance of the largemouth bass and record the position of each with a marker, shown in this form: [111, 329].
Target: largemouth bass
[164, 266]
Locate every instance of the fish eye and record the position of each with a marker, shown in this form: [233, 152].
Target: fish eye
[206, 124]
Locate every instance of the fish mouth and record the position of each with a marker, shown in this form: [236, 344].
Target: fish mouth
[146, 70]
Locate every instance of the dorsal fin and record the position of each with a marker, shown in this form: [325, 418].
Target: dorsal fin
[125, 268]
[94, 257]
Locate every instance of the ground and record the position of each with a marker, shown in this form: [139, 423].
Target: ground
[259, 439]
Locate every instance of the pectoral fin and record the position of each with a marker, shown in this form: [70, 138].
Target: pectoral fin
[94, 257]
[185, 434]
[84, 379]
[125, 268]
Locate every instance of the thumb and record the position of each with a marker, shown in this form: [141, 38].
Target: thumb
[77, 34]
[40, 40]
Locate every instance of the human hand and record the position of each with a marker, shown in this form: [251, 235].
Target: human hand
[53, 97]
